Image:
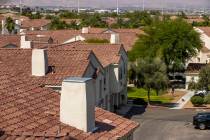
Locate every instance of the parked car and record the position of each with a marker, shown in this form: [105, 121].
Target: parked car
[202, 120]
[201, 93]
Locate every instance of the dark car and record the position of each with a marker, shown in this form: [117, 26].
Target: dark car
[202, 120]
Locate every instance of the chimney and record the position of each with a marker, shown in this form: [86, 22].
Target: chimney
[77, 104]
[18, 22]
[85, 30]
[25, 44]
[115, 38]
[3, 27]
[39, 62]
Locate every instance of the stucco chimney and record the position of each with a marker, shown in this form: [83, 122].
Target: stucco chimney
[39, 62]
[24, 44]
[18, 22]
[115, 38]
[85, 30]
[77, 104]
[3, 26]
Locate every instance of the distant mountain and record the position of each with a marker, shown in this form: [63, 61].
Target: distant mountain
[4, 1]
[112, 3]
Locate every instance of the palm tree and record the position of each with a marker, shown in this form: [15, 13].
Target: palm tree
[10, 24]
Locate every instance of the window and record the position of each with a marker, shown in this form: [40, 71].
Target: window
[104, 83]
[100, 89]
[198, 59]
[120, 73]
[94, 76]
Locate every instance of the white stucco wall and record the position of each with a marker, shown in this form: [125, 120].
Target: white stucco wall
[24, 44]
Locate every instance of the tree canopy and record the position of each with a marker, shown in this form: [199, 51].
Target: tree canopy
[204, 78]
[174, 41]
[152, 73]
[10, 24]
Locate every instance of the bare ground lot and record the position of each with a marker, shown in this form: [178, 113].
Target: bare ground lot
[166, 124]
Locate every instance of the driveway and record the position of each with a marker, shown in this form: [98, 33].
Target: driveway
[166, 124]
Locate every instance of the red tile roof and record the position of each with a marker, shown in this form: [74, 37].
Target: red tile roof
[65, 62]
[195, 67]
[59, 36]
[9, 39]
[28, 111]
[128, 37]
[106, 53]
[36, 23]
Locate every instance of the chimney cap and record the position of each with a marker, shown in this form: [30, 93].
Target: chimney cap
[77, 79]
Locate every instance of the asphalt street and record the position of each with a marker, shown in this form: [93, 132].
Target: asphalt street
[167, 124]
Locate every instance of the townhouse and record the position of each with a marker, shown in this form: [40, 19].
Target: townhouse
[35, 24]
[192, 73]
[204, 54]
[109, 60]
[31, 111]
[56, 88]
[195, 64]
[107, 63]
[127, 37]
[114, 61]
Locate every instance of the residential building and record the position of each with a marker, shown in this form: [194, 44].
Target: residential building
[127, 37]
[31, 111]
[114, 60]
[204, 54]
[109, 61]
[35, 24]
[192, 72]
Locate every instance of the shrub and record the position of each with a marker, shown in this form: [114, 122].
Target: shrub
[207, 99]
[197, 100]
[192, 86]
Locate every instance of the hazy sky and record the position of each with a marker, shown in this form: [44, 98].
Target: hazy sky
[122, 3]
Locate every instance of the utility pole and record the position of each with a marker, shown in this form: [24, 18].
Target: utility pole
[20, 5]
[143, 5]
[117, 7]
[162, 10]
[78, 6]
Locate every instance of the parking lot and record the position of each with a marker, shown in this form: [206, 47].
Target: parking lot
[167, 124]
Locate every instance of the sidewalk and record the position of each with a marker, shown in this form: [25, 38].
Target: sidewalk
[181, 102]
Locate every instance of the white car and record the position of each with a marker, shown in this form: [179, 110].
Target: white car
[201, 92]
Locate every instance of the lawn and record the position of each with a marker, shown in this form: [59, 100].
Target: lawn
[142, 93]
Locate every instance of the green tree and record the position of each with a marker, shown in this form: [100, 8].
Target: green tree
[94, 21]
[10, 24]
[154, 74]
[56, 24]
[204, 78]
[174, 41]
[206, 20]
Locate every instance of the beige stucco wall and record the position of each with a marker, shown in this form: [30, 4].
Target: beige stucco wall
[191, 77]
[200, 58]
[77, 106]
